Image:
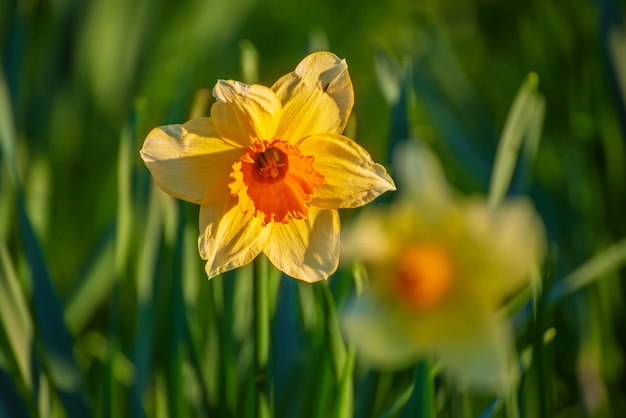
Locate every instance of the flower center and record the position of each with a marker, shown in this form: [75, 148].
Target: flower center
[423, 276]
[274, 180]
[269, 163]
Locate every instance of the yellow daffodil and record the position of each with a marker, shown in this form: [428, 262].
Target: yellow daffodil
[270, 168]
[440, 267]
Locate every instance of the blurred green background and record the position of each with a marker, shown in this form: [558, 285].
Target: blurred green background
[95, 259]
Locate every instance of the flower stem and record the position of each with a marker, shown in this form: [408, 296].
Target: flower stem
[342, 358]
[261, 335]
[423, 390]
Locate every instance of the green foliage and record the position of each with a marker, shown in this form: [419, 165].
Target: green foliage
[105, 309]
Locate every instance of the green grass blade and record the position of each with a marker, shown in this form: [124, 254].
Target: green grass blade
[617, 52]
[422, 403]
[124, 216]
[342, 359]
[535, 126]
[517, 126]
[200, 103]
[15, 316]
[161, 407]
[203, 333]
[11, 403]
[178, 318]
[56, 340]
[7, 131]
[538, 380]
[307, 304]
[344, 405]
[144, 335]
[338, 352]
[201, 370]
[401, 400]
[389, 75]
[45, 403]
[93, 287]
[123, 234]
[249, 58]
[603, 263]
[400, 129]
[512, 405]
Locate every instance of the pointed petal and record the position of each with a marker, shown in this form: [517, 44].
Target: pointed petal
[352, 178]
[245, 113]
[482, 360]
[421, 177]
[185, 160]
[376, 338]
[515, 237]
[365, 238]
[306, 249]
[317, 97]
[469, 338]
[228, 237]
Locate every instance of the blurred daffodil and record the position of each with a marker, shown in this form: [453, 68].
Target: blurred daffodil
[440, 267]
[270, 168]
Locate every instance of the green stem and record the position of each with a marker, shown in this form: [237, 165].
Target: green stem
[342, 358]
[512, 410]
[262, 337]
[423, 390]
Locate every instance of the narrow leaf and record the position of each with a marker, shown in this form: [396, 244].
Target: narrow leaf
[56, 340]
[7, 131]
[11, 404]
[516, 129]
[607, 261]
[15, 316]
[94, 285]
[249, 62]
[144, 334]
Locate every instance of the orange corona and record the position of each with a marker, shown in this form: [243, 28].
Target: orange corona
[275, 181]
[423, 275]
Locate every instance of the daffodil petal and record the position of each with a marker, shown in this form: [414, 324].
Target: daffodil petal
[467, 336]
[352, 178]
[421, 177]
[317, 97]
[306, 249]
[376, 338]
[514, 236]
[245, 113]
[482, 360]
[229, 238]
[367, 238]
[185, 160]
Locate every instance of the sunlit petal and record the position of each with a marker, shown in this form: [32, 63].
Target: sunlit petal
[245, 113]
[257, 189]
[352, 178]
[306, 249]
[228, 237]
[317, 97]
[185, 160]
